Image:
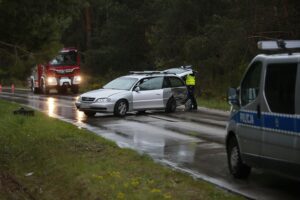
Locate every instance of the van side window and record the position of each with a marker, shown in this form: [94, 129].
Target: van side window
[250, 84]
[280, 87]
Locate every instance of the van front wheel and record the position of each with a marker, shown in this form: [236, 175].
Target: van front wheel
[236, 167]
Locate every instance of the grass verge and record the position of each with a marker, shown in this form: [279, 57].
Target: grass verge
[44, 158]
[214, 103]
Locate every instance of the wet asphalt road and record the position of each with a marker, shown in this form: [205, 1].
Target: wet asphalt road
[189, 142]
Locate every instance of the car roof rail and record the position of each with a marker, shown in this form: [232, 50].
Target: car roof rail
[149, 72]
[286, 45]
[187, 67]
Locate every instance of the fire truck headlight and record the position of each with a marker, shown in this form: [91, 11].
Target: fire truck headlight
[51, 81]
[77, 79]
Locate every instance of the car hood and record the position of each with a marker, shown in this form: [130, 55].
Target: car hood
[102, 93]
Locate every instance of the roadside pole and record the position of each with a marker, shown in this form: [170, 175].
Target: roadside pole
[12, 88]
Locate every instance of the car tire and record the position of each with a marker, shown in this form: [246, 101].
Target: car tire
[89, 113]
[188, 106]
[171, 105]
[121, 108]
[236, 166]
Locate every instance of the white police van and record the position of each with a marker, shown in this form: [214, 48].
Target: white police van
[264, 126]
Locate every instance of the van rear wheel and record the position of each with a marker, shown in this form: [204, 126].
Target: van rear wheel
[236, 166]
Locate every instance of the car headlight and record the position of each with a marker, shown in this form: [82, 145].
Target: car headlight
[77, 79]
[78, 98]
[103, 100]
[51, 80]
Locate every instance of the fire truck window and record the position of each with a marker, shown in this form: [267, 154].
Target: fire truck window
[65, 58]
[280, 87]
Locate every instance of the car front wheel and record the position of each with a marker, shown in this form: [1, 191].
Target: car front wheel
[121, 108]
[236, 166]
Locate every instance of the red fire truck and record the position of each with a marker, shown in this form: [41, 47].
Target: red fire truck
[61, 73]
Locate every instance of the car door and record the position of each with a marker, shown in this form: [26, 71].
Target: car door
[279, 122]
[149, 95]
[178, 89]
[249, 117]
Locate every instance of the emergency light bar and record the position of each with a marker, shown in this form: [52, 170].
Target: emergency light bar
[279, 44]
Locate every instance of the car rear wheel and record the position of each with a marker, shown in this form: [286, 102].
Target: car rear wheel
[171, 105]
[236, 166]
[121, 108]
[89, 113]
[188, 105]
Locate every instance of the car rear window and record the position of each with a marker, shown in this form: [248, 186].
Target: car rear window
[176, 82]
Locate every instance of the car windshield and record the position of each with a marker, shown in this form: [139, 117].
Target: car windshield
[121, 83]
[65, 58]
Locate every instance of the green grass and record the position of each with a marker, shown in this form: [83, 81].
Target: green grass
[44, 158]
[214, 103]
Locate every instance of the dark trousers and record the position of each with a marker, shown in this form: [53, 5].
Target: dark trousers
[191, 90]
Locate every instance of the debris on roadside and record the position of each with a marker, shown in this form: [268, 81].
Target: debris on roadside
[23, 111]
[29, 174]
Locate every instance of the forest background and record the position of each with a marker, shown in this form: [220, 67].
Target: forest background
[217, 37]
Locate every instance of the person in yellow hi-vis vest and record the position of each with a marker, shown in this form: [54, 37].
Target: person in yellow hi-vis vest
[190, 83]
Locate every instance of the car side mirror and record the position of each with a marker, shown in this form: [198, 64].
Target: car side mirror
[232, 97]
[137, 89]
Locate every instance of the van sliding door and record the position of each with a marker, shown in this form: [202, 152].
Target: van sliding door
[297, 106]
[279, 123]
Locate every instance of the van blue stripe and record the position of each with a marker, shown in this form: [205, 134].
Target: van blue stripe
[281, 123]
[298, 125]
[286, 123]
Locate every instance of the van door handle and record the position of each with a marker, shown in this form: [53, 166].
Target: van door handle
[258, 112]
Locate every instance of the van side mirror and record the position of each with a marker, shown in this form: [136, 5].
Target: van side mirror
[232, 97]
[137, 89]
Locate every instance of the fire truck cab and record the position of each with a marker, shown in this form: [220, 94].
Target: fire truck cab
[60, 73]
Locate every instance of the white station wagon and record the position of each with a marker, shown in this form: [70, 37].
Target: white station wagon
[139, 91]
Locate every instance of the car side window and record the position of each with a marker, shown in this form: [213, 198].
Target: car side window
[280, 87]
[176, 82]
[166, 83]
[154, 83]
[250, 84]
